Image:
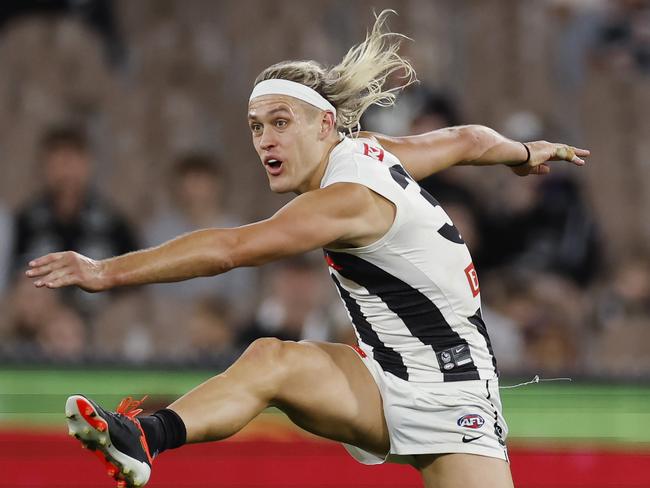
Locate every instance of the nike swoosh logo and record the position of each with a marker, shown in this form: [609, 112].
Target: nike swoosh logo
[460, 349]
[471, 439]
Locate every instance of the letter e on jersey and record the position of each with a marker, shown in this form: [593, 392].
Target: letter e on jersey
[472, 278]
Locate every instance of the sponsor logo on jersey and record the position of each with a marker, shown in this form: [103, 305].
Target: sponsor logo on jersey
[472, 279]
[374, 152]
[471, 421]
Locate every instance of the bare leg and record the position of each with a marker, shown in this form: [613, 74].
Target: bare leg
[324, 388]
[463, 471]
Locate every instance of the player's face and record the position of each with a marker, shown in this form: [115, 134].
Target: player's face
[286, 137]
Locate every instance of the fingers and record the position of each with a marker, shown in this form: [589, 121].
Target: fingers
[577, 153]
[565, 152]
[57, 279]
[548, 151]
[50, 278]
[571, 154]
[47, 259]
[43, 270]
[61, 281]
[50, 270]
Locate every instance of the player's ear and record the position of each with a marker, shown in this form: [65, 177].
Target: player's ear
[327, 123]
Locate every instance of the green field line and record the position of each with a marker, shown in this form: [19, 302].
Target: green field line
[610, 414]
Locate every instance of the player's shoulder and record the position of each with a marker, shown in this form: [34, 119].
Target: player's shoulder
[364, 151]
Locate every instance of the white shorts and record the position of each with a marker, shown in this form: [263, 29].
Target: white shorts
[437, 418]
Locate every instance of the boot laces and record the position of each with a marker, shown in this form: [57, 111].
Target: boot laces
[130, 407]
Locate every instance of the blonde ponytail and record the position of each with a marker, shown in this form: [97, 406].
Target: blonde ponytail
[357, 82]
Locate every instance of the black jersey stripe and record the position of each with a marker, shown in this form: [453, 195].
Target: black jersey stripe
[420, 315]
[402, 178]
[389, 359]
[400, 175]
[477, 320]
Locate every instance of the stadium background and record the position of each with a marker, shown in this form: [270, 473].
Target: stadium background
[159, 88]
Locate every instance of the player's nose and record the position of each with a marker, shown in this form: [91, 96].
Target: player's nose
[267, 140]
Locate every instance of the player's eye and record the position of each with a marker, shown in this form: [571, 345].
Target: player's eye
[281, 123]
[256, 128]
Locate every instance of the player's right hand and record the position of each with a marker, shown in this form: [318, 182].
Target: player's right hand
[67, 268]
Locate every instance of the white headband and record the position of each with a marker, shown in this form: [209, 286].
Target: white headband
[292, 89]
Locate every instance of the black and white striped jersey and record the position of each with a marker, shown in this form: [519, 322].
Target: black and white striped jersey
[413, 295]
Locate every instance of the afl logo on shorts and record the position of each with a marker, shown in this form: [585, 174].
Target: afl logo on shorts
[471, 421]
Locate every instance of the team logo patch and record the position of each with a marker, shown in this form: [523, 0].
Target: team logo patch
[374, 152]
[472, 279]
[471, 421]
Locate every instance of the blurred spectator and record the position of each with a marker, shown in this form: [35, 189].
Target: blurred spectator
[37, 325]
[622, 308]
[544, 225]
[69, 214]
[623, 43]
[144, 331]
[124, 330]
[555, 319]
[626, 295]
[96, 14]
[534, 320]
[437, 110]
[296, 305]
[500, 294]
[196, 190]
[211, 333]
[540, 224]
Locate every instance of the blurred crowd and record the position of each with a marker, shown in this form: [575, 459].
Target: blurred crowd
[124, 127]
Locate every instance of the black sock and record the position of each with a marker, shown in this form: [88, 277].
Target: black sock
[163, 430]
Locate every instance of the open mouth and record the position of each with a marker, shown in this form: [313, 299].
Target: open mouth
[273, 166]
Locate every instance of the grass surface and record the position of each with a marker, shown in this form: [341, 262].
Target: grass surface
[549, 413]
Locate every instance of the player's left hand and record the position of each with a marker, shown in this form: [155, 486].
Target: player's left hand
[541, 152]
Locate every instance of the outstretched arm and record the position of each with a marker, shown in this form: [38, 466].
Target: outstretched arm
[425, 154]
[343, 211]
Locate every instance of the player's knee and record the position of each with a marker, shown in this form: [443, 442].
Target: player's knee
[268, 351]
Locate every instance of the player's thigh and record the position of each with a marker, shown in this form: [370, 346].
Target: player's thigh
[463, 471]
[330, 392]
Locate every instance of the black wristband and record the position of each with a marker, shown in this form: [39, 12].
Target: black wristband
[527, 158]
